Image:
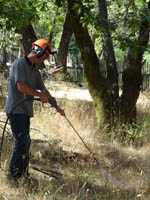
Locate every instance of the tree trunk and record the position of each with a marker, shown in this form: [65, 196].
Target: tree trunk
[52, 31]
[64, 43]
[132, 76]
[4, 60]
[109, 55]
[98, 86]
[28, 36]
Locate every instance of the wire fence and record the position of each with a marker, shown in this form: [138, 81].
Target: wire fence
[146, 77]
[76, 74]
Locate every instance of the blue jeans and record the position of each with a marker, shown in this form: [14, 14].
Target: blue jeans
[20, 126]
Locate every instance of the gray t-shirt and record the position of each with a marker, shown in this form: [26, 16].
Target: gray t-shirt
[22, 71]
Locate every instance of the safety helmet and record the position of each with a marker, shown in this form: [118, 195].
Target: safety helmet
[41, 46]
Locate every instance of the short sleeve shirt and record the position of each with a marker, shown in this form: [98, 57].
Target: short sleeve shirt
[22, 71]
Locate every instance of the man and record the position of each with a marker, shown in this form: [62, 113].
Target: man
[25, 84]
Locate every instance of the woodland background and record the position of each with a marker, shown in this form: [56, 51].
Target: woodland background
[102, 52]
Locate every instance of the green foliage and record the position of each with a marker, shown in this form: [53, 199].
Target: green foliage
[9, 39]
[18, 13]
[42, 14]
[128, 16]
[51, 19]
[124, 19]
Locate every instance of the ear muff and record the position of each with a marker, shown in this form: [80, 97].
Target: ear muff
[40, 53]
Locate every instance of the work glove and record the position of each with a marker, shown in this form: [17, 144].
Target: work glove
[53, 102]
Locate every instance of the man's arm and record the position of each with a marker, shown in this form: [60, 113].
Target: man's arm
[44, 95]
[51, 99]
[29, 91]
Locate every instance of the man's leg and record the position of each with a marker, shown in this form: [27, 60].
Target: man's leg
[20, 125]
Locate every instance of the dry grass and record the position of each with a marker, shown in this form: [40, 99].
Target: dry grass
[57, 147]
[79, 113]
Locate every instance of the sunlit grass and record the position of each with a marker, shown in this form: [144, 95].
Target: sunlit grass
[127, 160]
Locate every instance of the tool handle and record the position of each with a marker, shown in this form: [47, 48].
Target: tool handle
[53, 102]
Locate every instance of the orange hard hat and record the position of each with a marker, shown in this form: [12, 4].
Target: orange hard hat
[44, 46]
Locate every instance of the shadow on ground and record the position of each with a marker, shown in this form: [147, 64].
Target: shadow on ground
[73, 175]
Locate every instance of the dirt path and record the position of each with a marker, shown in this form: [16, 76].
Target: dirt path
[70, 91]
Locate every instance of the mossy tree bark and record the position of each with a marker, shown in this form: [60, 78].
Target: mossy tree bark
[100, 87]
[132, 76]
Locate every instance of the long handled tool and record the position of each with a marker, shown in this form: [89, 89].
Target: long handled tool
[107, 177]
[103, 171]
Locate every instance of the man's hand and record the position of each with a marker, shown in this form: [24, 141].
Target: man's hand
[61, 111]
[43, 97]
[53, 103]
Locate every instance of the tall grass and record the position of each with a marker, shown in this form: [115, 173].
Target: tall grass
[55, 146]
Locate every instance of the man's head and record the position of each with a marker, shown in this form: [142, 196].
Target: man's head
[42, 48]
